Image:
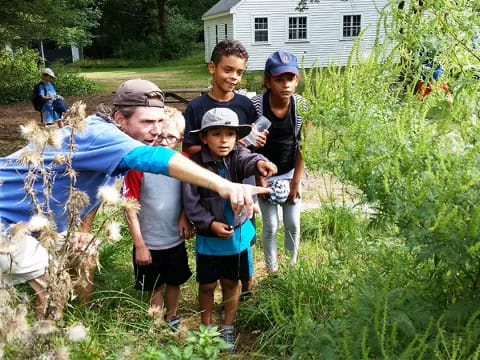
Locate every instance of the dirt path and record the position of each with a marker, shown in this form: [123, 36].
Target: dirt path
[14, 115]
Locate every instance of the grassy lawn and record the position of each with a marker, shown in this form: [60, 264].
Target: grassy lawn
[168, 76]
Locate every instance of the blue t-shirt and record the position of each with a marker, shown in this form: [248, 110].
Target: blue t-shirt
[49, 115]
[47, 89]
[196, 108]
[238, 242]
[98, 152]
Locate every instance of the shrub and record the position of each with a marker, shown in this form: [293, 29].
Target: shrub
[18, 75]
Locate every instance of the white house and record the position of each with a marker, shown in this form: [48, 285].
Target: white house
[325, 32]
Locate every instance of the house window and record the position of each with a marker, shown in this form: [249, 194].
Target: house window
[261, 29]
[226, 31]
[351, 25]
[216, 34]
[297, 28]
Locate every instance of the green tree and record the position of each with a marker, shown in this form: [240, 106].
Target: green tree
[66, 22]
[148, 29]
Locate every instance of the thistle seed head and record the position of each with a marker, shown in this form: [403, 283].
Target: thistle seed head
[113, 231]
[108, 195]
[38, 222]
[77, 332]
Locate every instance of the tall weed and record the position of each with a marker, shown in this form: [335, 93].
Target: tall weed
[415, 160]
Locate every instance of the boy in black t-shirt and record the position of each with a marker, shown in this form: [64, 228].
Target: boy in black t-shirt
[227, 65]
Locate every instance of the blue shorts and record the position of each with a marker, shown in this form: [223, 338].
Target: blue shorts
[211, 268]
[50, 116]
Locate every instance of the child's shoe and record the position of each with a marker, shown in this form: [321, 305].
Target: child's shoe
[174, 323]
[227, 333]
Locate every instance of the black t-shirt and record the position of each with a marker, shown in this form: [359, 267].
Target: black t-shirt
[280, 146]
[201, 104]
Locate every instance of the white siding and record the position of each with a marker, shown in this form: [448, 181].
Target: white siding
[325, 20]
[210, 26]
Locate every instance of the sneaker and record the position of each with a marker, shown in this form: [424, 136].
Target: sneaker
[174, 323]
[227, 333]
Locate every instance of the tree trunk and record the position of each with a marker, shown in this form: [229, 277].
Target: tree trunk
[162, 19]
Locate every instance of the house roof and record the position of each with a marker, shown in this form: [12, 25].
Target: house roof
[221, 6]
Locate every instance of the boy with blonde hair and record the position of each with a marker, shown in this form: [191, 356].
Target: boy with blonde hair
[159, 230]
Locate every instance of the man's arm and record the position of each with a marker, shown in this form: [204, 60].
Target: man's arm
[160, 160]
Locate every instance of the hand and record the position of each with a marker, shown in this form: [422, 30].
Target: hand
[80, 240]
[294, 192]
[266, 168]
[185, 228]
[223, 231]
[240, 195]
[142, 256]
[260, 181]
[261, 139]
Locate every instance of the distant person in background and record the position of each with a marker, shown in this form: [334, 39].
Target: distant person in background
[48, 94]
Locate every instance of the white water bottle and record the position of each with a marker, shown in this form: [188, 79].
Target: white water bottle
[258, 127]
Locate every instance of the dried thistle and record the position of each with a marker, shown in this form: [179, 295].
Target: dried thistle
[45, 327]
[29, 130]
[108, 195]
[75, 116]
[50, 238]
[77, 332]
[38, 222]
[155, 311]
[77, 201]
[30, 158]
[130, 204]
[6, 247]
[55, 138]
[60, 159]
[62, 353]
[113, 231]
[19, 230]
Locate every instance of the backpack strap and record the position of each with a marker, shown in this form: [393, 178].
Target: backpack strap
[41, 84]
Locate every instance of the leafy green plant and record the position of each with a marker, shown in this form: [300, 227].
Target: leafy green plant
[415, 160]
[204, 344]
[18, 75]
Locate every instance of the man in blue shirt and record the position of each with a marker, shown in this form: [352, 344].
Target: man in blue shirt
[102, 152]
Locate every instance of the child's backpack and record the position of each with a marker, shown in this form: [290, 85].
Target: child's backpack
[36, 98]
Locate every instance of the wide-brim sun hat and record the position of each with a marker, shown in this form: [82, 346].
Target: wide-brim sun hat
[48, 71]
[222, 117]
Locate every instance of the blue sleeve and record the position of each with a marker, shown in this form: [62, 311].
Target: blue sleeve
[151, 159]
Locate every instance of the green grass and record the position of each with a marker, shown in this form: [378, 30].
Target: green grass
[172, 76]
[189, 71]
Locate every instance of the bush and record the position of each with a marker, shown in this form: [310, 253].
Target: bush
[71, 84]
[19, 73]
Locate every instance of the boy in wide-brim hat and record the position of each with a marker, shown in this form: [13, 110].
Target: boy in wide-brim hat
[223, 240]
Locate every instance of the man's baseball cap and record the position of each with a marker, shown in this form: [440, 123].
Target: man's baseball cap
[139, 92]
[281, 62]
[48, 71]
[222, 117]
